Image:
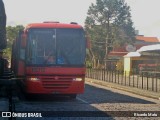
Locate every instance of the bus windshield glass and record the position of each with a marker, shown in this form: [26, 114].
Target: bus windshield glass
[61, 46]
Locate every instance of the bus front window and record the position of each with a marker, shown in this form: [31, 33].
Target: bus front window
[59, 47]
[41, 47]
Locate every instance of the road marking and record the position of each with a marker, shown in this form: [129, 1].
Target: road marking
[82, 100]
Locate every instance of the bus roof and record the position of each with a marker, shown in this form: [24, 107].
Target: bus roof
[52, 25]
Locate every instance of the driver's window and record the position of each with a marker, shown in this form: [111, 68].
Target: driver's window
[40, 48]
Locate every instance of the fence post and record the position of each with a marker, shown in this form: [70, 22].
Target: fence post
[101, 75]
[152, 83]
[156, 84]
[94, 74]
[88, 72]
[137, 80]
[112, 76]
[104, 74]
[98, 74]
[133, 78]
[129, 78]
[98, 70]
[107, 76]
[118, 76]
[147, 82]
[142, 80]
[115, 77]
[122, 77]
[125, 78]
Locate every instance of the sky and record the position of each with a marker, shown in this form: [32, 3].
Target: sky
[145, 13]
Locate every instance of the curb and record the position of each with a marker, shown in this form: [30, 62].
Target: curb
[137, 91]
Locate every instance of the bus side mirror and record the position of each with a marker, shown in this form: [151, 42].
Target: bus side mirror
[88, 42]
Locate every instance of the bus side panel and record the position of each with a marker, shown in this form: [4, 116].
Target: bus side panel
[21, 68]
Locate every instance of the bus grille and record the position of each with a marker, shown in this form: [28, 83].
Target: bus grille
[56, 83]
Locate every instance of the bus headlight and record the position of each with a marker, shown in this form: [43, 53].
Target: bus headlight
[33, 79]
[77, 79]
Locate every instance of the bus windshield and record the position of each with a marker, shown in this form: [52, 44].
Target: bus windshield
[61, 46]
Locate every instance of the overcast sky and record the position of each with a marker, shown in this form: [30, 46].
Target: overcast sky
[145, 13]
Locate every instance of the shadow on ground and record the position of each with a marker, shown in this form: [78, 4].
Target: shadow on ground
[99, 95]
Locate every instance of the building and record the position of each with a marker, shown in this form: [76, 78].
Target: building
[145, 59]
[118, 52]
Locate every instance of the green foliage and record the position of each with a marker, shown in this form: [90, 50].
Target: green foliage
[109, 24]
[11, 33]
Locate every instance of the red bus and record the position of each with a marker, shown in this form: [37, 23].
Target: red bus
[50, 58]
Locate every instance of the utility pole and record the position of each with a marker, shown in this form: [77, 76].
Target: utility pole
[107, 41]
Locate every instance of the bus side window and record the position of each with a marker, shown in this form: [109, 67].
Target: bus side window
[22, 54]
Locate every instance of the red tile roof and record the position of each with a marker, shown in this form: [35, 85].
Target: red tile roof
[147, 39]
[117, 53]
[121, 51]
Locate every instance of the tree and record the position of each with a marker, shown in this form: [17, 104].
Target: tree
[11, 35]
[109, 24]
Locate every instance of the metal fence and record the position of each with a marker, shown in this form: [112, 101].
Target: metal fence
[142, 80]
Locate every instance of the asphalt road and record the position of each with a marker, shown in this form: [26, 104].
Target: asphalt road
[97, 103]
